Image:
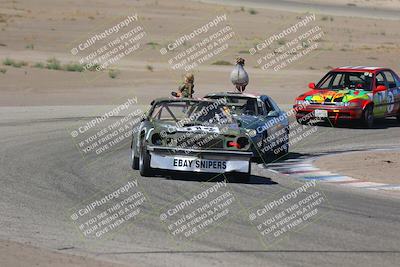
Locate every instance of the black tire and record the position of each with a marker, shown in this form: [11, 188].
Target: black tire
[134, 158]
[368, 117]
[302, 121]
[144, 162]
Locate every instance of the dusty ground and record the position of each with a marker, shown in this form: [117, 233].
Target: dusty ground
[21, 255]
[34, 31]
[379, 167]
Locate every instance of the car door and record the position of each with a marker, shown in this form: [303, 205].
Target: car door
[380, 98]
[272, 114]
[392, 94]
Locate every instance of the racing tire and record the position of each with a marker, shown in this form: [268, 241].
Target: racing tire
[134, 158]
[144, 162]
[368, 117]
[301, 121]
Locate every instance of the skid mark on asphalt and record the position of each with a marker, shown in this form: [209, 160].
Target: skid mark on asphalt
[303, 169]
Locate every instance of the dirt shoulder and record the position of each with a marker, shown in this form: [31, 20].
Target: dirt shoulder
[380, 167]
[21, 255]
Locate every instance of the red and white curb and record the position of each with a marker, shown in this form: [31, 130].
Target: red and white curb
[303, 169]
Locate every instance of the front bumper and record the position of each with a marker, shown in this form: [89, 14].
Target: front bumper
[195, 160]
[333, 112]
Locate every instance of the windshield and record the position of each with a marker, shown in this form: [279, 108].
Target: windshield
[192, 112]
[241, 105]
[346, 80]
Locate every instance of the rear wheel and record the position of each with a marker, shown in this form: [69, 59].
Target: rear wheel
[144, 161]
[398, 117]
[302, 121]
[368, 117]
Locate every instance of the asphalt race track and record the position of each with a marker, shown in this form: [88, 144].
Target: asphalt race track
[43, 177]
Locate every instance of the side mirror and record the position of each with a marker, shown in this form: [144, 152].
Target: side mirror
[380, 88]
[311, 85]
[273, 113]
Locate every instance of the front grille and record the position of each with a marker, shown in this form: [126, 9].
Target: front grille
[197, 141]
[324, 103]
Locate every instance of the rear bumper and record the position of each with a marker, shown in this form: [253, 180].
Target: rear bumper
[334, 112]
[193, 160]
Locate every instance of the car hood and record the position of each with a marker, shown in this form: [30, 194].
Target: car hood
[248, 121]
[321, 96]
[171, 127]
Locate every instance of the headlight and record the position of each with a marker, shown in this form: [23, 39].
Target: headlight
[251, 132]
[156, 139]
[348, 104]
[354, 104]
[302, 102]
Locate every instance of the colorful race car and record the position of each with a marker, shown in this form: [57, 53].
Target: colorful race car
[351, 93]
[195, 135]
[265, 123]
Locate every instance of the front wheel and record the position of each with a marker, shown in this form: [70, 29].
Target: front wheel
[134, 158]
[144, 162]
[368, 117]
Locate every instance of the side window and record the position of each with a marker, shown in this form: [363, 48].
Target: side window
[337, 82]
[390, 79]
[271, 105]
[261, 108]
[380, 79]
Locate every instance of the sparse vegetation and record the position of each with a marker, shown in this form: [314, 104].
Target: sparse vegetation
[152, 44]
[3, 70]
[281, 42]
[39, 65]
[74, 67]
[94, 67]
[53, 64]
[14, 63]
[149, 68]
[8, 62]
[222, 62]
[113, 73]
[29, 46]
[244, 52]
[253, 12]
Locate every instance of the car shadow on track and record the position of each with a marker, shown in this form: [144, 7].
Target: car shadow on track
[378, 124]
[213, 178]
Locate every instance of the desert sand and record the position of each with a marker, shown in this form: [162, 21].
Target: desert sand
[21, 255]
[379, 167]
[34, 31]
